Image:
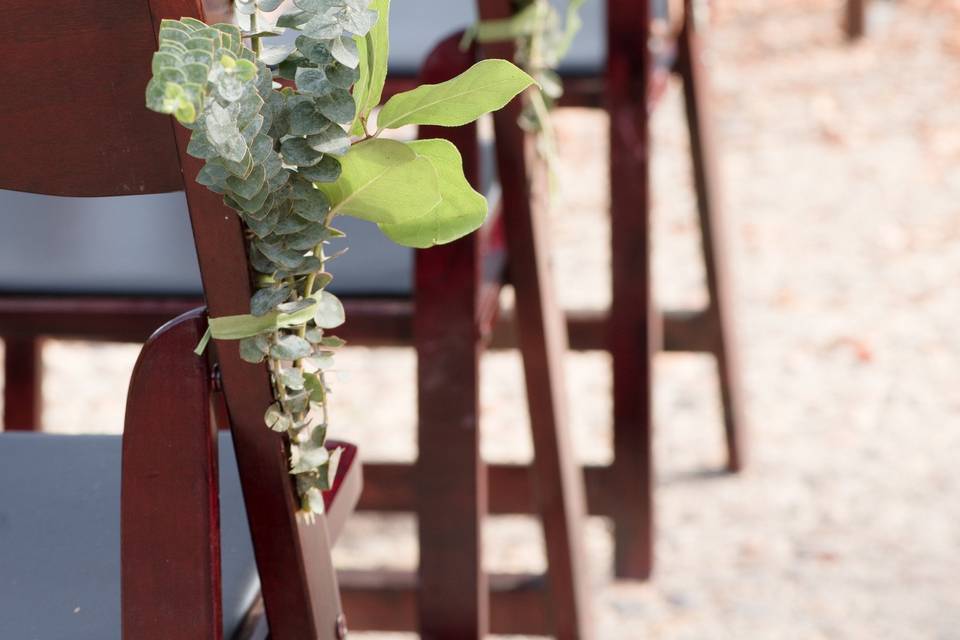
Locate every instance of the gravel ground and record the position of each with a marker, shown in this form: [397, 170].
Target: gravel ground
[842, 172]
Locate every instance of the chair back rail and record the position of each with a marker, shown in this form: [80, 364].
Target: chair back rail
[73, 122]
[77, 126]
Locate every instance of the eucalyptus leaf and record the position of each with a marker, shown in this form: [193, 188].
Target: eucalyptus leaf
[275, 54]
[331, 139]
[296, 151]
[344, 51]
[254, 349]
[291, 347]
[314, 386]
[268, 5]
[276, 419]
[266, 300]
[337, 104]
[305, 120]
[322, 360]
[332, 342]
[292, 378]
[329, 313]
[327, 170]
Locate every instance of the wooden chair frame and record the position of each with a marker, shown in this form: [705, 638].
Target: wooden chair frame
[634, 329]
[456, 302]
[170, 564]
[631, 332]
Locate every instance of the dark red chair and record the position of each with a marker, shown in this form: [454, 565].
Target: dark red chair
[617, 64]
[443, 301]
[167, 546]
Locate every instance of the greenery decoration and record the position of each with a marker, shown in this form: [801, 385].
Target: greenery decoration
[291, 159]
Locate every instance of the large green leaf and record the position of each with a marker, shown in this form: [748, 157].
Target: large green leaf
[484, 87]
[374, 49]
[460, 211]
[383, 181]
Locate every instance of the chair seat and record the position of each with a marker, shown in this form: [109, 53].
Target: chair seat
[60, 538]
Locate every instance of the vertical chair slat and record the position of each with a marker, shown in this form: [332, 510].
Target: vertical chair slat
[169, 517]
[557, 478]
[719, 328]
[22, 388]
[450, 477]
[633, 333]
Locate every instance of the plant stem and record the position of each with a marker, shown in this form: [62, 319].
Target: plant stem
[255, 41]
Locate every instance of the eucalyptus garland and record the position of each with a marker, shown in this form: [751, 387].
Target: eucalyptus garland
[291, 159]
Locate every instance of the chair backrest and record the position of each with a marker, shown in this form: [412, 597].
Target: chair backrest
[73, 123]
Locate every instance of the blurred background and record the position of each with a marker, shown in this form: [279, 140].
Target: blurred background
[841, 172]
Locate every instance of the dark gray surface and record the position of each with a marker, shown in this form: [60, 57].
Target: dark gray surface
[123, 245]
[142, 245]
[60, 538]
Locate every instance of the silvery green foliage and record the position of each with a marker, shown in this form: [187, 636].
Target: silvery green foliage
[264, 149]
[284, 161]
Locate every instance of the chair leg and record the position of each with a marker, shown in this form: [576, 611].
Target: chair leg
[170, 537]
[23, 378]
[557, 478]
[633, 330]
[713, 227]
[855, 19]
[450, 476]
[451, 480]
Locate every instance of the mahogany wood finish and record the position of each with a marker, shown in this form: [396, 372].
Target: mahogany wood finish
[450, 478]
[633, 333]
[718, 328]
[455, 306]
[167, 425]
[855, 18]
[22, 390]
[87, 63]
[558, 480]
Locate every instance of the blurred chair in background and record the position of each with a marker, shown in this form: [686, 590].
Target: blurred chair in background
[855, 20]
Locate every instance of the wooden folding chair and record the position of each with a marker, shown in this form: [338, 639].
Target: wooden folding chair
[82, 130]
[450, 317]
[444, 301]
[612, 65]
